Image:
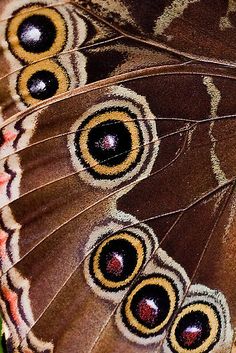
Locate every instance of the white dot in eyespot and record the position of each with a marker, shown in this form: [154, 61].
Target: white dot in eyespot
[152, 304]
[108, 142]
[39, 86]
[32, 35]
[193, 329]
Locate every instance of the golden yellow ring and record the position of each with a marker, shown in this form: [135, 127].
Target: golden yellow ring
[162, 282]
[16, 21]
[137, 244]
[134, 132]
[49, 65]
[213, 321]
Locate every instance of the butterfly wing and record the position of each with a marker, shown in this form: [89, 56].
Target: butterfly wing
[53, 257]
[116, 195]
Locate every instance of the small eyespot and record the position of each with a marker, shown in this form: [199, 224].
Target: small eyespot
[149, 306]
[116, 256]
[42, 80]
[195, 329]
[114, 141]
[202, 325]
[117, 260]
[36, 32]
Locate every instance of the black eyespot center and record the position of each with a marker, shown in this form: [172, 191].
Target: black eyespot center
[110, 142]
[192, 330]
[37, 33]
[151, 305]
[43, 84]
[118, 260]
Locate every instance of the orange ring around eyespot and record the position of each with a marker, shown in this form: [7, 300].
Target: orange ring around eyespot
[134, 133]
[23, 14]
[136, 243]
[168, 287]
[213, 321]
[50, 65]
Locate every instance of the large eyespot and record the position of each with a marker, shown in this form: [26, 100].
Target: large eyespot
[109, 142]
[50, 77]
[196, 329]
[116, 259]
[114, 141]
[149, 306]
[202, 324]
[36, 32]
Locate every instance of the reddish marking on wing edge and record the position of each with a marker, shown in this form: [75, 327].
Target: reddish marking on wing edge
[3, 239]
[9, 136]
[4, 178]
[12, 299]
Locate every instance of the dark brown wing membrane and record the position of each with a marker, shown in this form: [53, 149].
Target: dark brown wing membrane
[204, 30]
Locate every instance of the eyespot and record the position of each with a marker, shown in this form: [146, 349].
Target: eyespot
[48, 78]
[117, 260]
[202, 325]
[42, 80]
[149, 306]
[39, 30]
[196, 329]
[109, 142]
[145, 313]
[117, 257]
[36, 32]
[112, 141]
